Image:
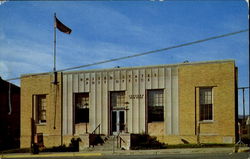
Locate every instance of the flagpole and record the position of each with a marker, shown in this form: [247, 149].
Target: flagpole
[58, 25]
[54, 69]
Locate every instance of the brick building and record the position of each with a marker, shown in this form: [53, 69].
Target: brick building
[179, 103]
[9, 115]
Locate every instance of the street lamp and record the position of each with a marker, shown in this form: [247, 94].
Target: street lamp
[86, 126]
[126, 109]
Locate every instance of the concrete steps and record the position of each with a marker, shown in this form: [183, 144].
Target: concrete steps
[110, 143]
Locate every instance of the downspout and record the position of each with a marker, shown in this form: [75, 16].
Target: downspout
[197, 126]
[9, 93]
[195, 120]
[236, 104]
[61, 108]
[55, 99]
[32, 122]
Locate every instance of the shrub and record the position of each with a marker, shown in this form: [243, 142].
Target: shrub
[144, 141]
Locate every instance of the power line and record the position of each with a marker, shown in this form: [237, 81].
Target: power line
[154, 51]
[145, 53]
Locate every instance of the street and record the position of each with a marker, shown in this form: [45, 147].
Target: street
[243, 155]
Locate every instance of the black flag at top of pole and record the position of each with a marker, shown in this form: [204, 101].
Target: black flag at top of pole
[63, 28]
[60, 26]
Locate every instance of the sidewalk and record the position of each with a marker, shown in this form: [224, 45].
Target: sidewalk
[49, 154]
[123, 152]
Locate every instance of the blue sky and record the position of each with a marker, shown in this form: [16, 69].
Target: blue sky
[106, 29]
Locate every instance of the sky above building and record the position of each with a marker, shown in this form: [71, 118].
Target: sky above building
[102, 30]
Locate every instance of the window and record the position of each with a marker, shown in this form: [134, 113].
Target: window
[155, 101]
[41, 108]
[81, 108]
[206, 106]
[117, 99]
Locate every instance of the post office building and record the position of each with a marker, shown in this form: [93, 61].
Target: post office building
[177, 103]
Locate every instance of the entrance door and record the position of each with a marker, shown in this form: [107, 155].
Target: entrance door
[118, 121]
[117, 107]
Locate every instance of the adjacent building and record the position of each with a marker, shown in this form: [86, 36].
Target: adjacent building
[9, 115]
[178, 103]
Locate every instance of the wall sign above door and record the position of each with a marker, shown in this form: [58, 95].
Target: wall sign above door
[136, 96]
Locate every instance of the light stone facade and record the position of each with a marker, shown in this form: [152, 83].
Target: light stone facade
[180, 84]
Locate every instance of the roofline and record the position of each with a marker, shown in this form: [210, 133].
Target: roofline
[150, 66]
[7, 82]
[135, 67]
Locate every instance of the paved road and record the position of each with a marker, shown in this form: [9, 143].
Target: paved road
[243, 155]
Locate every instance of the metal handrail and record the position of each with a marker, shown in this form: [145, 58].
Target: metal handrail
[98, 126]
[119, 144]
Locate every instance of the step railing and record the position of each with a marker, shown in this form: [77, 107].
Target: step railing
[120, 140]
[99, 129]
[94, 137]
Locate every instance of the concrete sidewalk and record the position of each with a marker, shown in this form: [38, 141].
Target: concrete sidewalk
[124, 152]
[50, 154]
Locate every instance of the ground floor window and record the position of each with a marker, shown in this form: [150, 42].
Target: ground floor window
[155, 103]
[81, 107]
[206, 105]
[41, 108]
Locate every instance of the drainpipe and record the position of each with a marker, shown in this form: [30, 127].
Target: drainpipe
[9, 93]
[61, 108]
[197, 124]
[195, 121]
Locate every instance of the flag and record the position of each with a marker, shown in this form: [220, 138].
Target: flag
[60, 26]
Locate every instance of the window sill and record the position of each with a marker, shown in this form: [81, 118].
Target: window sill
[156, 122]
[41, 124]
[206, 121]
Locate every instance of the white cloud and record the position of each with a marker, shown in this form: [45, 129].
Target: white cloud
[2, 34]
[2, 2]
[247, 2]
[24, 56]
[109, 26]
[4, 71]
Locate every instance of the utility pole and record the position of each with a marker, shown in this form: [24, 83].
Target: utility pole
[243, 101]
[245, 123]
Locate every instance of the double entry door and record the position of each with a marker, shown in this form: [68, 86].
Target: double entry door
[118, 114]
[118, 121]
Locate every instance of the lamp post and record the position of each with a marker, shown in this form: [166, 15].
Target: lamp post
[126, 109]
[86, 126]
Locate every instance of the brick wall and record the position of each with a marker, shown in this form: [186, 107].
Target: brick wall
[36, 85]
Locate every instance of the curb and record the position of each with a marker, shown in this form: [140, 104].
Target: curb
[126, 152]
[244, 149]
[172, 151]
[50, 155]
